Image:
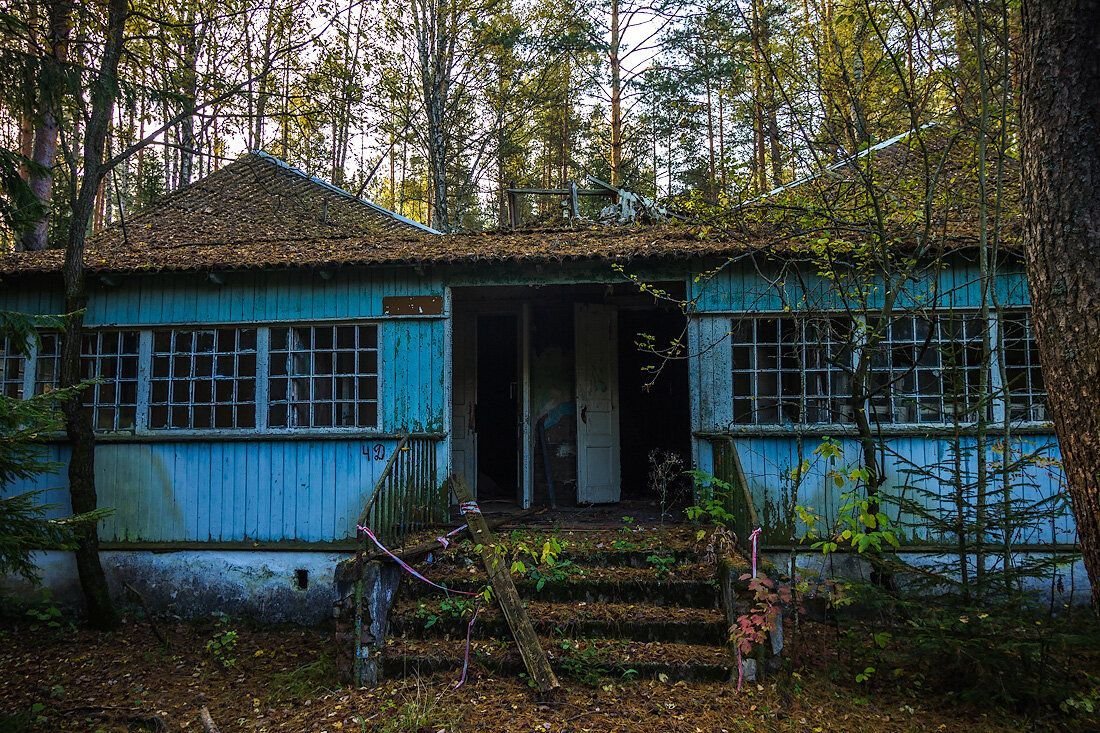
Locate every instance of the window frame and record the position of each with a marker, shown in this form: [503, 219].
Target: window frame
[194, 380]
[271, 377]
[263, 375]
[997, 409]
[92, 395]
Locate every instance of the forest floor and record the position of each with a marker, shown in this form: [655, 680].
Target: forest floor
[68, 678]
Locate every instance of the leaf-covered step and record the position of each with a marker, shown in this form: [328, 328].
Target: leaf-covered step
[593, 585]
[432, 617]
[585, 659]
[629, 545]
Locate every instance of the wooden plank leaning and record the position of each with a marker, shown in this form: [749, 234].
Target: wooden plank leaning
[534, 656]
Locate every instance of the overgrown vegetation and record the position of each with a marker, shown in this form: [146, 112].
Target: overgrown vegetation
[26, 521]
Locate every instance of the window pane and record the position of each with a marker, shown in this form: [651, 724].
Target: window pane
[332, 373]
[793, 368]
[111, 358]
[206, 369]
[1025, 389]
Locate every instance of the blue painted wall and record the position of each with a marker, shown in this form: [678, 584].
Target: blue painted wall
[309, 488]
[769, 453]
[258, 488]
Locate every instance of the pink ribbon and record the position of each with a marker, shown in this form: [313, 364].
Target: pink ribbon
[754, 538]
[409, 568]
[466, 659]
[413, 572]
[446, 542]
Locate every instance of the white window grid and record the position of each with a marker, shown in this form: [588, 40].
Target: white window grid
[1024, 388]
[203, 378]
[927, 369]
[13, 367]
[47, 362]
[323, 376]
[111, 358]
[792, 369]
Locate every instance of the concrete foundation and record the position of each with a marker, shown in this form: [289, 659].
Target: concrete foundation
[270, 587]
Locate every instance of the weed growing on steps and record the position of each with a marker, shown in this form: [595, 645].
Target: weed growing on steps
[447, 608]
[581, 662]
[665, 470]
[662, 564]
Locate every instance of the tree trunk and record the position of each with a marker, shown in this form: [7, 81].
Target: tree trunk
[51, 87]
[1060, 120]
[616, 98]
[193, 38]
[78, 422]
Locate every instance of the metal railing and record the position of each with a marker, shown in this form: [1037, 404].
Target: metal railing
[408, 495]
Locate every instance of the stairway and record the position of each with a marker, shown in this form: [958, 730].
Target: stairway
[632, 602]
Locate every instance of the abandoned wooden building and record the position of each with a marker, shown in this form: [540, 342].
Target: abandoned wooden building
[265, 341]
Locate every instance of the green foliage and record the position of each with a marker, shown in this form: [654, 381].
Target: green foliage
[581, 662]
[47, 615]
[23, 721]
[25, 524]
[554, 574]
[860, 523]
[715, 500]
[1086, 703]
[222, 646]
[447, 608]
[302, 682]
[422, 713]
[662, 564]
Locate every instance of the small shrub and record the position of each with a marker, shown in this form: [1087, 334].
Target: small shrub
[224, 643]
[662, 564]
[581, 662]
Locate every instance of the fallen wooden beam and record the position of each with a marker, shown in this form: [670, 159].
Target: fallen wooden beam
[534, 656]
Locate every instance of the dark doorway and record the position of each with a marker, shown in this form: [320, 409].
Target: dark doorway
[497, 406]
[652, 416]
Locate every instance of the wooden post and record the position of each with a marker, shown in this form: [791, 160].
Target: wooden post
[534, 657]
[375, 591]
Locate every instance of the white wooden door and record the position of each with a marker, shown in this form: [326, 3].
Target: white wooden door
[464, 397]
[596, 342]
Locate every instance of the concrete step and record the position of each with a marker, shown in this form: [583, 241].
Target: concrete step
[434, 617]
[583, 659]
[572, 584]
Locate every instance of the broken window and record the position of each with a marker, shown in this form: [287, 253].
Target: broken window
[789, 369]
[927, 369]
[1025, 391]
[203, 378]
[324, 376]
[111, 358]
[47, 362]
[13, 365]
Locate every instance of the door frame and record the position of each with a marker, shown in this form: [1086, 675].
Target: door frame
[524, 439]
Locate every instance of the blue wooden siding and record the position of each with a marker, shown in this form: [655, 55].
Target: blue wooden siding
[236, 488]
[254, 297]
[747, 286]
[769, 460]
[227, 491]
[769, 453]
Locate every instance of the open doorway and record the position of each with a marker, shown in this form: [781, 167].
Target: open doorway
[655, 410]
[497, 420]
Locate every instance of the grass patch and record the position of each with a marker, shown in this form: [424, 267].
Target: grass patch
[297, 684]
